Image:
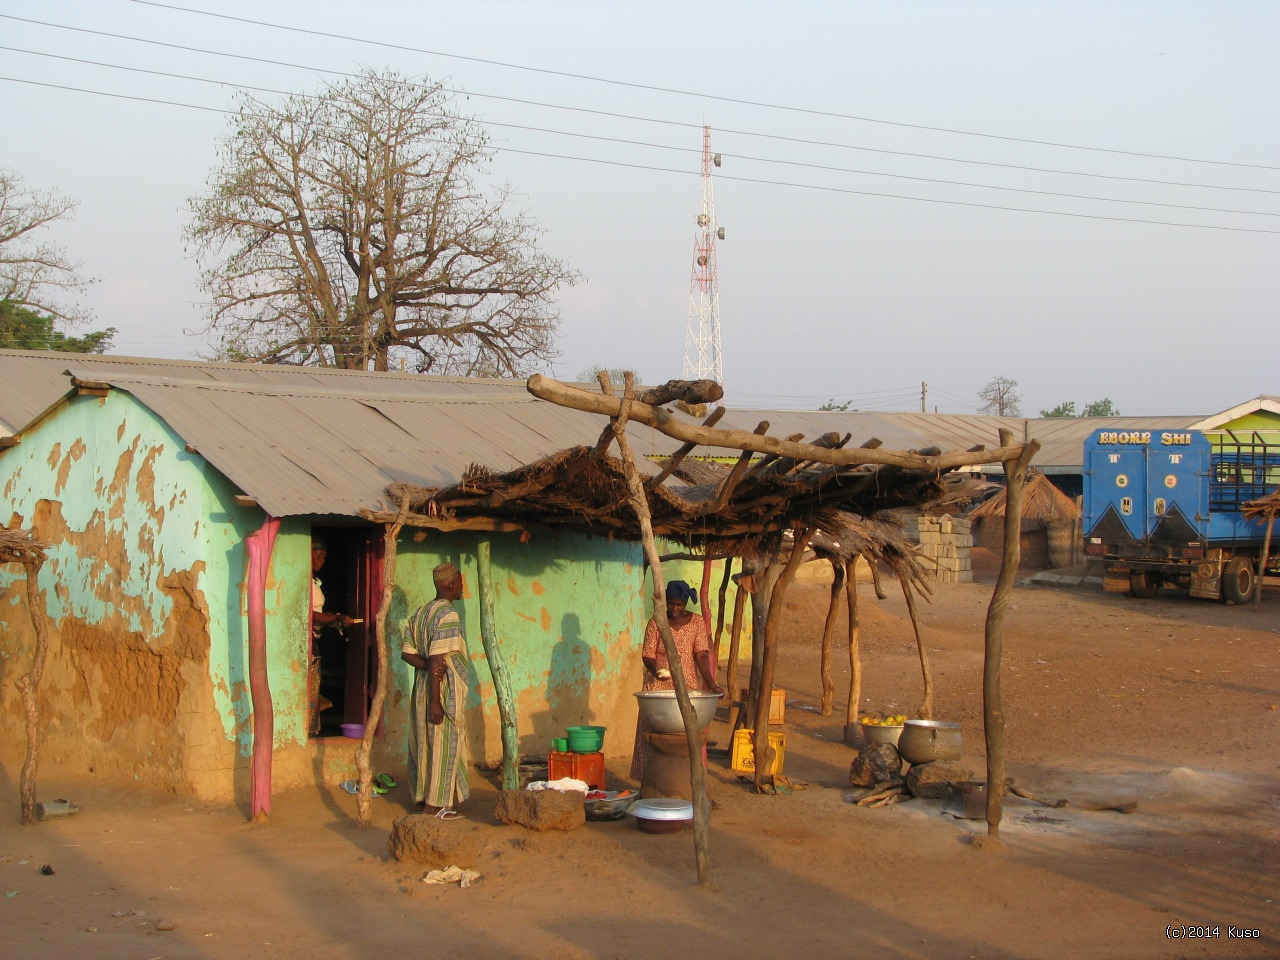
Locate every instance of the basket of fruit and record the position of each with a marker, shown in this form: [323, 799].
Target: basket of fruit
[881, 728]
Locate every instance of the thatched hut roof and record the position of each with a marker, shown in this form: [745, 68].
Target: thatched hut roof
[1041, 501]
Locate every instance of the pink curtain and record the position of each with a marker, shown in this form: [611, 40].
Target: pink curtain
[260, 544]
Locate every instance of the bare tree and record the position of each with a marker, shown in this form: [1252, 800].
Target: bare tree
[350, 228]
[1000, 397]
[35, 273]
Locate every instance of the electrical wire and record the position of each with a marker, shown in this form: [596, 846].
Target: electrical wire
[656, 120]
[662, 146]
[725, 177]
[691, 93]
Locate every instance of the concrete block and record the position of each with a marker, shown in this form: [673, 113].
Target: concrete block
[930, 537]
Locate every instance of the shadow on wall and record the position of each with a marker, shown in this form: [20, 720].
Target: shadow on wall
[570, 673]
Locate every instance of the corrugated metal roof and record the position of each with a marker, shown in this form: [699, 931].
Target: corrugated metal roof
[306, 440]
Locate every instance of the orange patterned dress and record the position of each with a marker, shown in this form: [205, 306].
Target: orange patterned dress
[690, 639]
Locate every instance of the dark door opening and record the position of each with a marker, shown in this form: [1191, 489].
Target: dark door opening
[351, 580]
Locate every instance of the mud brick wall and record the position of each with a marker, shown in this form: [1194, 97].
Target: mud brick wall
[944, 548]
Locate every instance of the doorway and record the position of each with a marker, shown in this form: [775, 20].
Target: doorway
[351, 580]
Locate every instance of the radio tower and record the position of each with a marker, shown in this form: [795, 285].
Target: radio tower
[702, 359]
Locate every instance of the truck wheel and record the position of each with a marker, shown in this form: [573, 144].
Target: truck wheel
[1143, 585]
[1238, 581]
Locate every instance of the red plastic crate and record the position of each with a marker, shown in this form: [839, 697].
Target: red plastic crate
[588, 767]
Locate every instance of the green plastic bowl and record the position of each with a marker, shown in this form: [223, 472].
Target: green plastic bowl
[585, 739]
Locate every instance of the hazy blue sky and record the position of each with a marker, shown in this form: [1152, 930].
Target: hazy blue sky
[857, 291]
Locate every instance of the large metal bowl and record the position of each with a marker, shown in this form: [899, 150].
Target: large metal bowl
[661, 711]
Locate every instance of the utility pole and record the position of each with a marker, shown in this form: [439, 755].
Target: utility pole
[924, 397]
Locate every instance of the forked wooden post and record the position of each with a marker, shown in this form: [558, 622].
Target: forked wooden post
[697, 772]
[364, 752]
[992, 704]
[926, 701]
[1262, 560]
[498, 669]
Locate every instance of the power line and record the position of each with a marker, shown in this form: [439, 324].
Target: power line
[756, 180]
[657, 120]
[662, 146]
[693, 93]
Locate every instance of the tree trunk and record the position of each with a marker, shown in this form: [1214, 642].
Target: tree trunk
[855, 653]
[763, 752]
[735, 640]
[724, 593]
[498, 668]
[992, 704]
[828, 639]
[1262, 561]
[364, 766]
[29, 687]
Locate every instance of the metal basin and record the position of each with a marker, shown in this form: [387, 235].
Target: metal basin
[662, 713]
[923, 741]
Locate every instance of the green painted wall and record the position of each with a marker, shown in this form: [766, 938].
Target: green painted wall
[569, 616]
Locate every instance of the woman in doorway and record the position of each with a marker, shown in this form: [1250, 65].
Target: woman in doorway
[694, 647]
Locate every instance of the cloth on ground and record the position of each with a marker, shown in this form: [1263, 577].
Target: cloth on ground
[464, 878]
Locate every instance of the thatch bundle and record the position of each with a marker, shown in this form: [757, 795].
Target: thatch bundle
[20, 546]
[1264, 507]
[714, 507]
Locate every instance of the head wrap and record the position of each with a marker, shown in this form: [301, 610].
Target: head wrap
[679, 590]
[443, 574]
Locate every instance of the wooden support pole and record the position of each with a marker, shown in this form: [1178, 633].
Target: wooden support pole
[29, 686]
[992, 704]
[762, 751]
[735, 640]
[762, 588]
[546, 388]
[259, 545]
[926, 702]
[828, 638]
[855, 653]
[676, 458]
[725, 576]
[1262, 561]
[697, 772]
[498, 669]
[364, 752]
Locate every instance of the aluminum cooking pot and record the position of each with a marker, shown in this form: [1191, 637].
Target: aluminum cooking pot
[923, 741]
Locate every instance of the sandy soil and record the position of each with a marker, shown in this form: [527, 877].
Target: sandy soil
[1171, 703]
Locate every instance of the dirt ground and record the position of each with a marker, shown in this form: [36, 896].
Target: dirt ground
[1171, 703]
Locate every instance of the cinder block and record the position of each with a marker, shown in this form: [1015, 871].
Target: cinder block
[964, 576]
[930, 537]
[961, 524]
[962, 539]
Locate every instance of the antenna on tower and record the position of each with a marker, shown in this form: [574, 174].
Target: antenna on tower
[702, 359]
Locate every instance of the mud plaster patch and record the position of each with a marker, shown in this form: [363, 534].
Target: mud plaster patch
[77, 451]
[120, 481]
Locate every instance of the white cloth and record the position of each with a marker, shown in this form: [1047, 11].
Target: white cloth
[463, 878]
[564, 785]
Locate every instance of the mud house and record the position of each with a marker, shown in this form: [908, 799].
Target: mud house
[147, 477]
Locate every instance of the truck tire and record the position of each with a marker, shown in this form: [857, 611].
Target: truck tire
[1239, 580]
[1143, 585]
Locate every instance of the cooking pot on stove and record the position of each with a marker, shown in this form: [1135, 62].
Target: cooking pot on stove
[923, 741]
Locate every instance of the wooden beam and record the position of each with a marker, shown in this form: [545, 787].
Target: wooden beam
[7, 443]
[731, 481]
[664, 421]
[447, 524]
[244, 500]
[674, 460]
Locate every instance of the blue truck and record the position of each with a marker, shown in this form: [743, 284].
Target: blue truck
[1164, 507]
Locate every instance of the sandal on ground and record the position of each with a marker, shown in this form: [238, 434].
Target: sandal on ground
[448, 814]
[385, 780]
[351, 786]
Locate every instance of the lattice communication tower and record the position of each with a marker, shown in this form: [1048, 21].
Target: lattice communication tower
[702, 358]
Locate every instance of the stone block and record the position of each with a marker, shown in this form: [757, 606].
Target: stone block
[877, 763]
[964, 576]
[542, 809]
[930, 536]
[962, 539]
[934, 781]
[953, 563]
[961, 525]
[422, 838]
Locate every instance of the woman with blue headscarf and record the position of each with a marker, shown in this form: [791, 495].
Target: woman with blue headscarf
[694, 647]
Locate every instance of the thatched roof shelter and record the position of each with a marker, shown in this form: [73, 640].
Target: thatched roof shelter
[722, 509]
[1263, 507]
[1041, 502]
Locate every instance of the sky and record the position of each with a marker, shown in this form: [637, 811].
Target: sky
[1083, 197]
